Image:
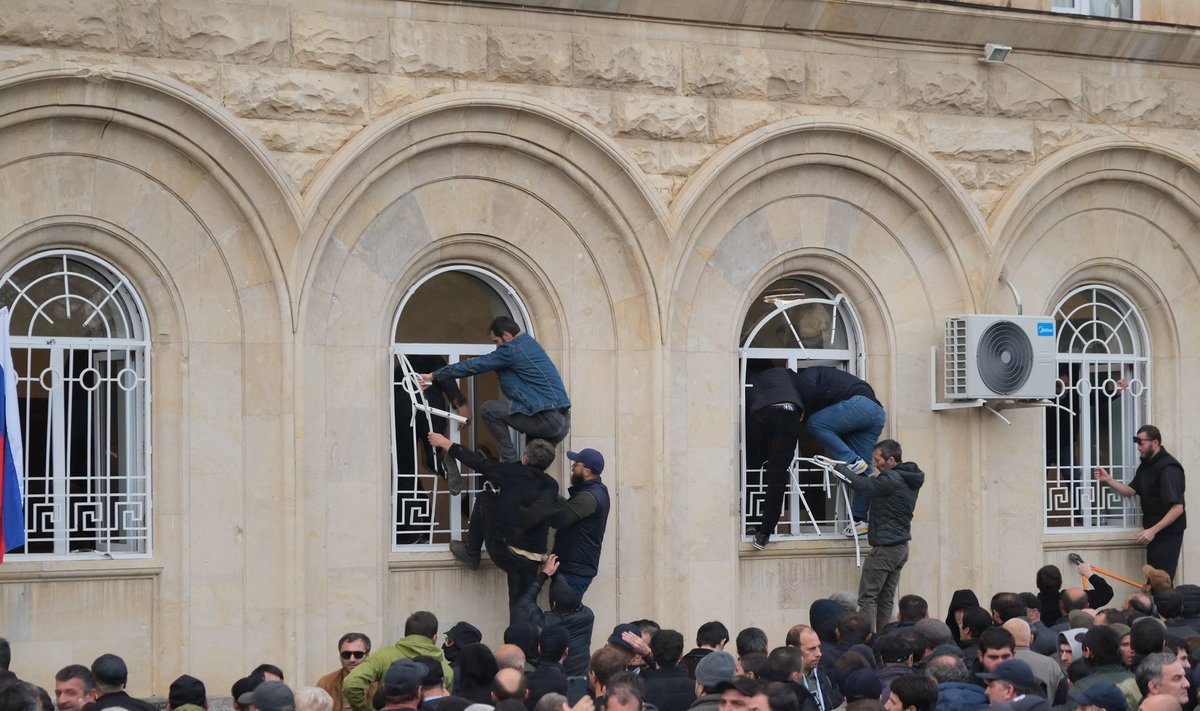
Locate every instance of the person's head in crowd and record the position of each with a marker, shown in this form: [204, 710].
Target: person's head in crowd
[846, 599]
[846, 664]
[890, 649]
[947, 669]
[270, 696]
[912, 608]
[1072, 599]
[1010, 679]
[823, 615]
[810, 649]
[401, 684]
[1139, 602]
[712, 635]
[749, 641]
[1110, 616]
[1049, 579]
[625, 691]
[1077, 670]
[268, 672]
[433, 684]
[912, 692]
[422, 622]
[1159, 702]
[5, 654]
[607, 662]
[311, 698]
[187, 691]
[1179, 648]
[854, 627]
[648, 628]
[1006, 606]
[353, 648]
[995, 647]
[713, 669]
[563, 597]
[1127, 653]
[1156, 580]
[666, 646]
[510, 656]
[975, 620]
[17, 695]
[1081, 619]
[780, 697]
[934, 631]
[1070, 648]
[914, 640]
[45, 703]
[506, 705]
[1191, 600]
[784, 664]
[1168, 604]
[478, 666]
[861, 684]
[959, 601]
[742, 694]
[241, 687]
[1100, 697]
[110, 674]
[552, 702]
[1033, 606]
[508, 684]
[525, 636]
[74, 687]
[616, 638]
[552, 646]
[1147, 635]
[752, 665]
[1162, 673]
[458, 637]
[1019, 629]
[1101, 646]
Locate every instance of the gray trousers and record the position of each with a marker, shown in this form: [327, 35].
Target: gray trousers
[550, 425]
[880, 578]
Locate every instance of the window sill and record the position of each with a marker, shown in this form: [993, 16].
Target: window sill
[803, 548]
[15, 570]
[1055, 540]
[429, 560]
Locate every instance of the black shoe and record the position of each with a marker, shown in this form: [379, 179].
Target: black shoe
[460, 551]
[453, 476]
[760, 540]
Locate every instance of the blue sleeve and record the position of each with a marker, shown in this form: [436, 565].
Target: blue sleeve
[497, 359]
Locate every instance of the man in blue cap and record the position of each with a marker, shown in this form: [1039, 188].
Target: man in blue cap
[581, 521]
[1100, 697]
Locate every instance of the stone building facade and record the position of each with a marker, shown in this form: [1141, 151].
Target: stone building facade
[268, 187]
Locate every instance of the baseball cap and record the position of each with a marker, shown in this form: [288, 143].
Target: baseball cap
[403, 678]
[615, 637]
[589, 458]
[464, 633]
[244, 686]
[715, 668]
[744, 684]
[862, 684]
[110, 670]
[187, 690]
[1014, 671]
[270, 696]
[1106, 696]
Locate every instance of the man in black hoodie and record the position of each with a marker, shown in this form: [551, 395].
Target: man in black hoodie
[892, 491]
[566, 611]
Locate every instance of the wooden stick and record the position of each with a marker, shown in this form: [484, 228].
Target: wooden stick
[1114, 576]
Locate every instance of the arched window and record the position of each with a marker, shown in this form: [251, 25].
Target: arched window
[81, 350]
[796, 322]
[1103, 397]
[443, 319]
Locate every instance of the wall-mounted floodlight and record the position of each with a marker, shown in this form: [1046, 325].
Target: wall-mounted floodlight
[995, 53]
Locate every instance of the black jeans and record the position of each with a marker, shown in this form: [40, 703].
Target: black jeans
[1163, 552]
[774, 434]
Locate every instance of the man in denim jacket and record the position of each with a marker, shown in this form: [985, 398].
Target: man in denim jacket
[537, 401]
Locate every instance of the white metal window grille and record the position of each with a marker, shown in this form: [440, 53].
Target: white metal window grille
[442, 319]
[81, 349]
[796, 323]
[1104, 395]
[1119, 9]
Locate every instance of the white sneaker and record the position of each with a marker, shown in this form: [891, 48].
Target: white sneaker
[858, 466]
[855, 529]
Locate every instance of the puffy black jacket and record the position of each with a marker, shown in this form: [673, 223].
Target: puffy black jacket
[577, 623]
[893, 498]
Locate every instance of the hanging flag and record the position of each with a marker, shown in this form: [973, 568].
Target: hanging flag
[12, 499]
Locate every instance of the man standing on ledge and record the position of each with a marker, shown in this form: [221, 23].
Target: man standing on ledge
[580, 523]
[537, 401]
[1159, 483]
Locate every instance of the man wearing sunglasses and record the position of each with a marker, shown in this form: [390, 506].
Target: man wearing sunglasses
[353, 648]
[1159, 484]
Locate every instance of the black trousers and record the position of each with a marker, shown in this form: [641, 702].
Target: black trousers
[1163, 552]
[774, 434]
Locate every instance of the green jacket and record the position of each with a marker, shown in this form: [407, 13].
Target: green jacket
[372, 669]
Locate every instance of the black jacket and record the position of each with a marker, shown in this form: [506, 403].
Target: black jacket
[577, 623]
[821, 386]
[893, 498]
[511, 491]
[578, 543]
[119, 699]
[669, 688]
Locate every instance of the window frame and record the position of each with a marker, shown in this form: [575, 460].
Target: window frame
[1085, 8]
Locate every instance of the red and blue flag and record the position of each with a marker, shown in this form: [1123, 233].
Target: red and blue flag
[12, 508]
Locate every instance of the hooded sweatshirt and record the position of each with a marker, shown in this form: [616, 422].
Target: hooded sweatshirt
[372, 669]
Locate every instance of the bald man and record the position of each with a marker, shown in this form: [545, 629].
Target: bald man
[509, 684]
[1159, 702]
[1047, 671]
[510, 656]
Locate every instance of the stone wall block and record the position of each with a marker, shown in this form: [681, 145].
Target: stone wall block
[301, 167]
[623, 63]
[139, 27]
[439, 49]
[1049, 137]
[60, 23]
[1054, 95]
[202, 76]
[787, 71]
[275, 135]
[352, 44]
[1130, 99]
[725, 71]
[932, 86]
[852, 81]
[1185, 104]
[999, 176]
[217, 32]
[732, 118]
[675, 117]
[591, 105]
[684, 159]
[527, 56]
[298, 94]
[973, 139]
[317, 137]
[388, 93]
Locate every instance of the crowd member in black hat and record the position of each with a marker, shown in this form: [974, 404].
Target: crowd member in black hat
[582, 520]
[401, 685]
[433, 686]
[1100, 697]
[862, 690]
[243, 686]
[111, 675]
[353, 648]
[269, 696]
[457, 637]
[1012, 682]
[566, 611]
[187, 694]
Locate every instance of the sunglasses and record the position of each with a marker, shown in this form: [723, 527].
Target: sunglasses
[353, 655]
[1139, 440]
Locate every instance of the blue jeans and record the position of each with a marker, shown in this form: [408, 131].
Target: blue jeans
[578, 583]
[849, 430]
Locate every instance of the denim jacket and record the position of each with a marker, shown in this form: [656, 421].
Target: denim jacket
[527, 377]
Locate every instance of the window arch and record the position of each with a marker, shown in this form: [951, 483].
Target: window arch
[81, 351]
[442, 319]
[1103, 395]
[796, 322]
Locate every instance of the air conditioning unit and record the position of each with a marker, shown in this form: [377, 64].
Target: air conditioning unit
[1000, 357]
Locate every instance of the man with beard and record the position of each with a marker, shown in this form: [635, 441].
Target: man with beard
[1159, 484]
[581, 521]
